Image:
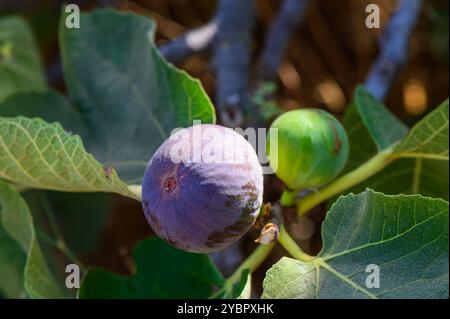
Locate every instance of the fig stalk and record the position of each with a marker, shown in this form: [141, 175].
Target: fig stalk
[291, 246]
[288, 198]
[371, 167]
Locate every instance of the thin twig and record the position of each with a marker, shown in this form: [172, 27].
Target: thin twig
[232, 58]
[289, 17]
[192, 42]
[49, 240]
[394, 45]
[48, 210]
[59, 241]
[287, 20]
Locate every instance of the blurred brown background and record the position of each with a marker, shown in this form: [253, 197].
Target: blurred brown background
[331, 52]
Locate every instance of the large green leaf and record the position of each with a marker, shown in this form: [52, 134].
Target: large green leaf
[20, 66]
[12, 263]
[410, 176]
[383, 127]
[161, 272]
[370, 127]
[16, 221]
[48, 105]
[406, 236]
[405, 175]
[129, 96]
[362, 147]
[126, 95]
[429, 138]
[37, 154]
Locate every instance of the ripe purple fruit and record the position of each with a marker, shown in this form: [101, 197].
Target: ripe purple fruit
[202, 189]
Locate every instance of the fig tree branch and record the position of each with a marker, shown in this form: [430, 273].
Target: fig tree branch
[231, 60]
[190, 43]
[229, 34]
[287, 20]
[394, 44]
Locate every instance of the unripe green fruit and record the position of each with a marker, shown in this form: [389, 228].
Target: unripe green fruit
[312, 148]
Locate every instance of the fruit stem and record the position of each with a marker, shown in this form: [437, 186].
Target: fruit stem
[59, 241]
[253, 261]
[288, 198]
[372, 166]
[61, 246]
[291, 246]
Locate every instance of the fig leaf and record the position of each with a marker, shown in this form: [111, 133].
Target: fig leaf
[161, 272]
[374, 246]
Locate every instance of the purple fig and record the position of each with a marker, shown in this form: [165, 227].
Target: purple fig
[202, 189]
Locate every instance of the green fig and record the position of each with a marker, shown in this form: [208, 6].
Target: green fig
[313, 148]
